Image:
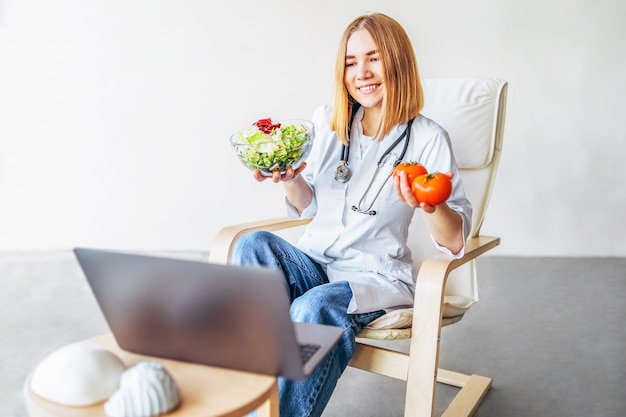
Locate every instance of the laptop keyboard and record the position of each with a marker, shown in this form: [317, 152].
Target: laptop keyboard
[307, 350]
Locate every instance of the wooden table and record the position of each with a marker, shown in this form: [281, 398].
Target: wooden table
[205, 391]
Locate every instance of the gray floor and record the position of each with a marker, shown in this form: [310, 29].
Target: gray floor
[549, 331]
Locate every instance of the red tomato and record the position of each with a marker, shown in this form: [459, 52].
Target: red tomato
[412, 169]
[432, 189]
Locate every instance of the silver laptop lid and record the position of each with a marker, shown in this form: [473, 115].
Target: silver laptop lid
[221, 315]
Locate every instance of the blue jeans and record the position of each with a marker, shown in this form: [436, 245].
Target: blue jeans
[314, 300]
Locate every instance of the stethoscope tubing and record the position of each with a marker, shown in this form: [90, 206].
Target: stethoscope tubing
[345, 149]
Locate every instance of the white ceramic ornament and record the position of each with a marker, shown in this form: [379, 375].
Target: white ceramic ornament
[79, 374]
[146, 390]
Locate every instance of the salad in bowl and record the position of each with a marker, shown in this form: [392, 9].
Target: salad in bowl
[267, 145]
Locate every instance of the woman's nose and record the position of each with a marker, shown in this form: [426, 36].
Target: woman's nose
[363, 71]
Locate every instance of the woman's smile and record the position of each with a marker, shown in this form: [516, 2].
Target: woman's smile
[368, 88]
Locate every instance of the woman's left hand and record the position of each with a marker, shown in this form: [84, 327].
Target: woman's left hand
[405, 194]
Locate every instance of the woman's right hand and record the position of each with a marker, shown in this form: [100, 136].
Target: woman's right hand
[289, 175]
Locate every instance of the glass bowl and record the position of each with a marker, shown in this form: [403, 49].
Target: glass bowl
[283, 147]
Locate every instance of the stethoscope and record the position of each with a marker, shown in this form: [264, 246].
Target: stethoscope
[343, 173]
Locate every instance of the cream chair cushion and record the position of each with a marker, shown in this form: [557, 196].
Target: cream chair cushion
[453, 305]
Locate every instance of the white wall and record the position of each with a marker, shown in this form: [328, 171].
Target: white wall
[115, 114]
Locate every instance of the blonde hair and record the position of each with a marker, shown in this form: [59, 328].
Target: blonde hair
[404, 97]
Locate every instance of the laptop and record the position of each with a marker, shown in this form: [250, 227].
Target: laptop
[221, 315]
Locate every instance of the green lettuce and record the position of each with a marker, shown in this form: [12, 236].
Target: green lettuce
[280, 149]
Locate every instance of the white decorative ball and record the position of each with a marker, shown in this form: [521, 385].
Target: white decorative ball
[146, 390]
[79, 374]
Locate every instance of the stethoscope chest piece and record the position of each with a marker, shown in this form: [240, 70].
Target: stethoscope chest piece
[343, 173]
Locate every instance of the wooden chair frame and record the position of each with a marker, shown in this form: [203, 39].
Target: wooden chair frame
[419, 369]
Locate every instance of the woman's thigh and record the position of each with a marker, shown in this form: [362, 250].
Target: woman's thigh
[269, 250]
[328, 304]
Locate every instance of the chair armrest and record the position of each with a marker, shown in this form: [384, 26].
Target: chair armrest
[474, 247]
[433, 274]
[221, 249]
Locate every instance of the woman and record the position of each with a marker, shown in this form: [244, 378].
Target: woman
[351, 264]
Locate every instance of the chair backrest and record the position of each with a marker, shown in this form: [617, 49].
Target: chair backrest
[472, 111]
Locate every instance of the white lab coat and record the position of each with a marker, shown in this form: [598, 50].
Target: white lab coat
[369, 251]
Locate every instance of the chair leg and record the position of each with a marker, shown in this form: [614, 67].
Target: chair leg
[394, 365]
[455, 379]
[426, 335]
[464, 404]
[467, 399]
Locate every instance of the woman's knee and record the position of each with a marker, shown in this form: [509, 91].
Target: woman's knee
[251, 240]
[253, 248]
[324, 304]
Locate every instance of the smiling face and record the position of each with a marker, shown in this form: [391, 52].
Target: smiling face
[363, 76]
[376, 66]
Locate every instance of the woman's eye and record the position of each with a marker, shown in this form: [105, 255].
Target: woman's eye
[350, 64]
